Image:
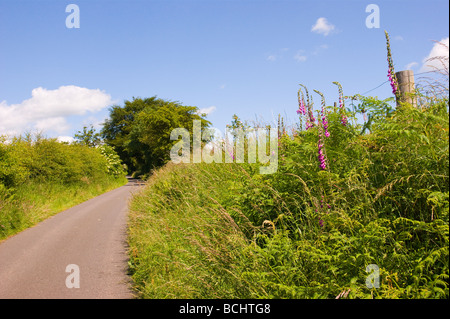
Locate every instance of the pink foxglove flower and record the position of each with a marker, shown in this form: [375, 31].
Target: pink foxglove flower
[323, 115]
[321, 157]
[306, 108]
[391, 72]
[344, 120]
[393, 83]
[301, 107]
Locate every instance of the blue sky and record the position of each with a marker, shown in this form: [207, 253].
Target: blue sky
[225, 56]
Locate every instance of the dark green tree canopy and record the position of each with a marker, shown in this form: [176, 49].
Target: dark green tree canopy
[140, 130]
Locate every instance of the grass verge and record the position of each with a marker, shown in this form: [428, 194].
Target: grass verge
[35, 202]
[183, 243]
[226, 231]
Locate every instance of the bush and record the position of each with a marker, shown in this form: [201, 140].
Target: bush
[114, 163]
[47, 160]
[36, 172]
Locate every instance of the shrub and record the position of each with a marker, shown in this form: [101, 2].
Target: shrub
[37, 173]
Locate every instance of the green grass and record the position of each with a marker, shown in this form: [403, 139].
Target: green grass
[225, 231]
[40, 177]
[183, 243]
[34, 202]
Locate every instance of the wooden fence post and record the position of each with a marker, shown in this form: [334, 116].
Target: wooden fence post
[406, 88]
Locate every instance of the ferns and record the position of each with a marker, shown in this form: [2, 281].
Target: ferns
[383, 201]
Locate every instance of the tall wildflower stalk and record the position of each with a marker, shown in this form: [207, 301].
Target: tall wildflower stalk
[323, 114]
[321, 151]
[310, 119]
[301, 111]
[323, 131]
[391, 72]
[301, 103]
[344, 120]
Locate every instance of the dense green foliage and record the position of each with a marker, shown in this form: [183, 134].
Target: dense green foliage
[140, 131]
[114, 164]
[225, 231]
[40, 177]
[88, 137]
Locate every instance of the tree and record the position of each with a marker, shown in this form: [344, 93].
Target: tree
[140, 130]
[88, 137]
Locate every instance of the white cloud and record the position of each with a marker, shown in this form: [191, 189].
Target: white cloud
[67, 139]
[409, 66]
[47, 109]
[66, 100]
[431, 62]
[57, 124]
[322, 26]
[207, 110]
[398, 38]
[271, 58]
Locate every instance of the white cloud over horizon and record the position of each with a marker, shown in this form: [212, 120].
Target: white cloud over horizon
[207, 110]
[440, 49]
[409, 66]
[47, 110]
[66, 139]
[322, 26]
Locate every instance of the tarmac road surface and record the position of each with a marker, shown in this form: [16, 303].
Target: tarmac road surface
[78, 253]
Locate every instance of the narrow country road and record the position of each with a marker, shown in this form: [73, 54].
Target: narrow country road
[83, 246]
